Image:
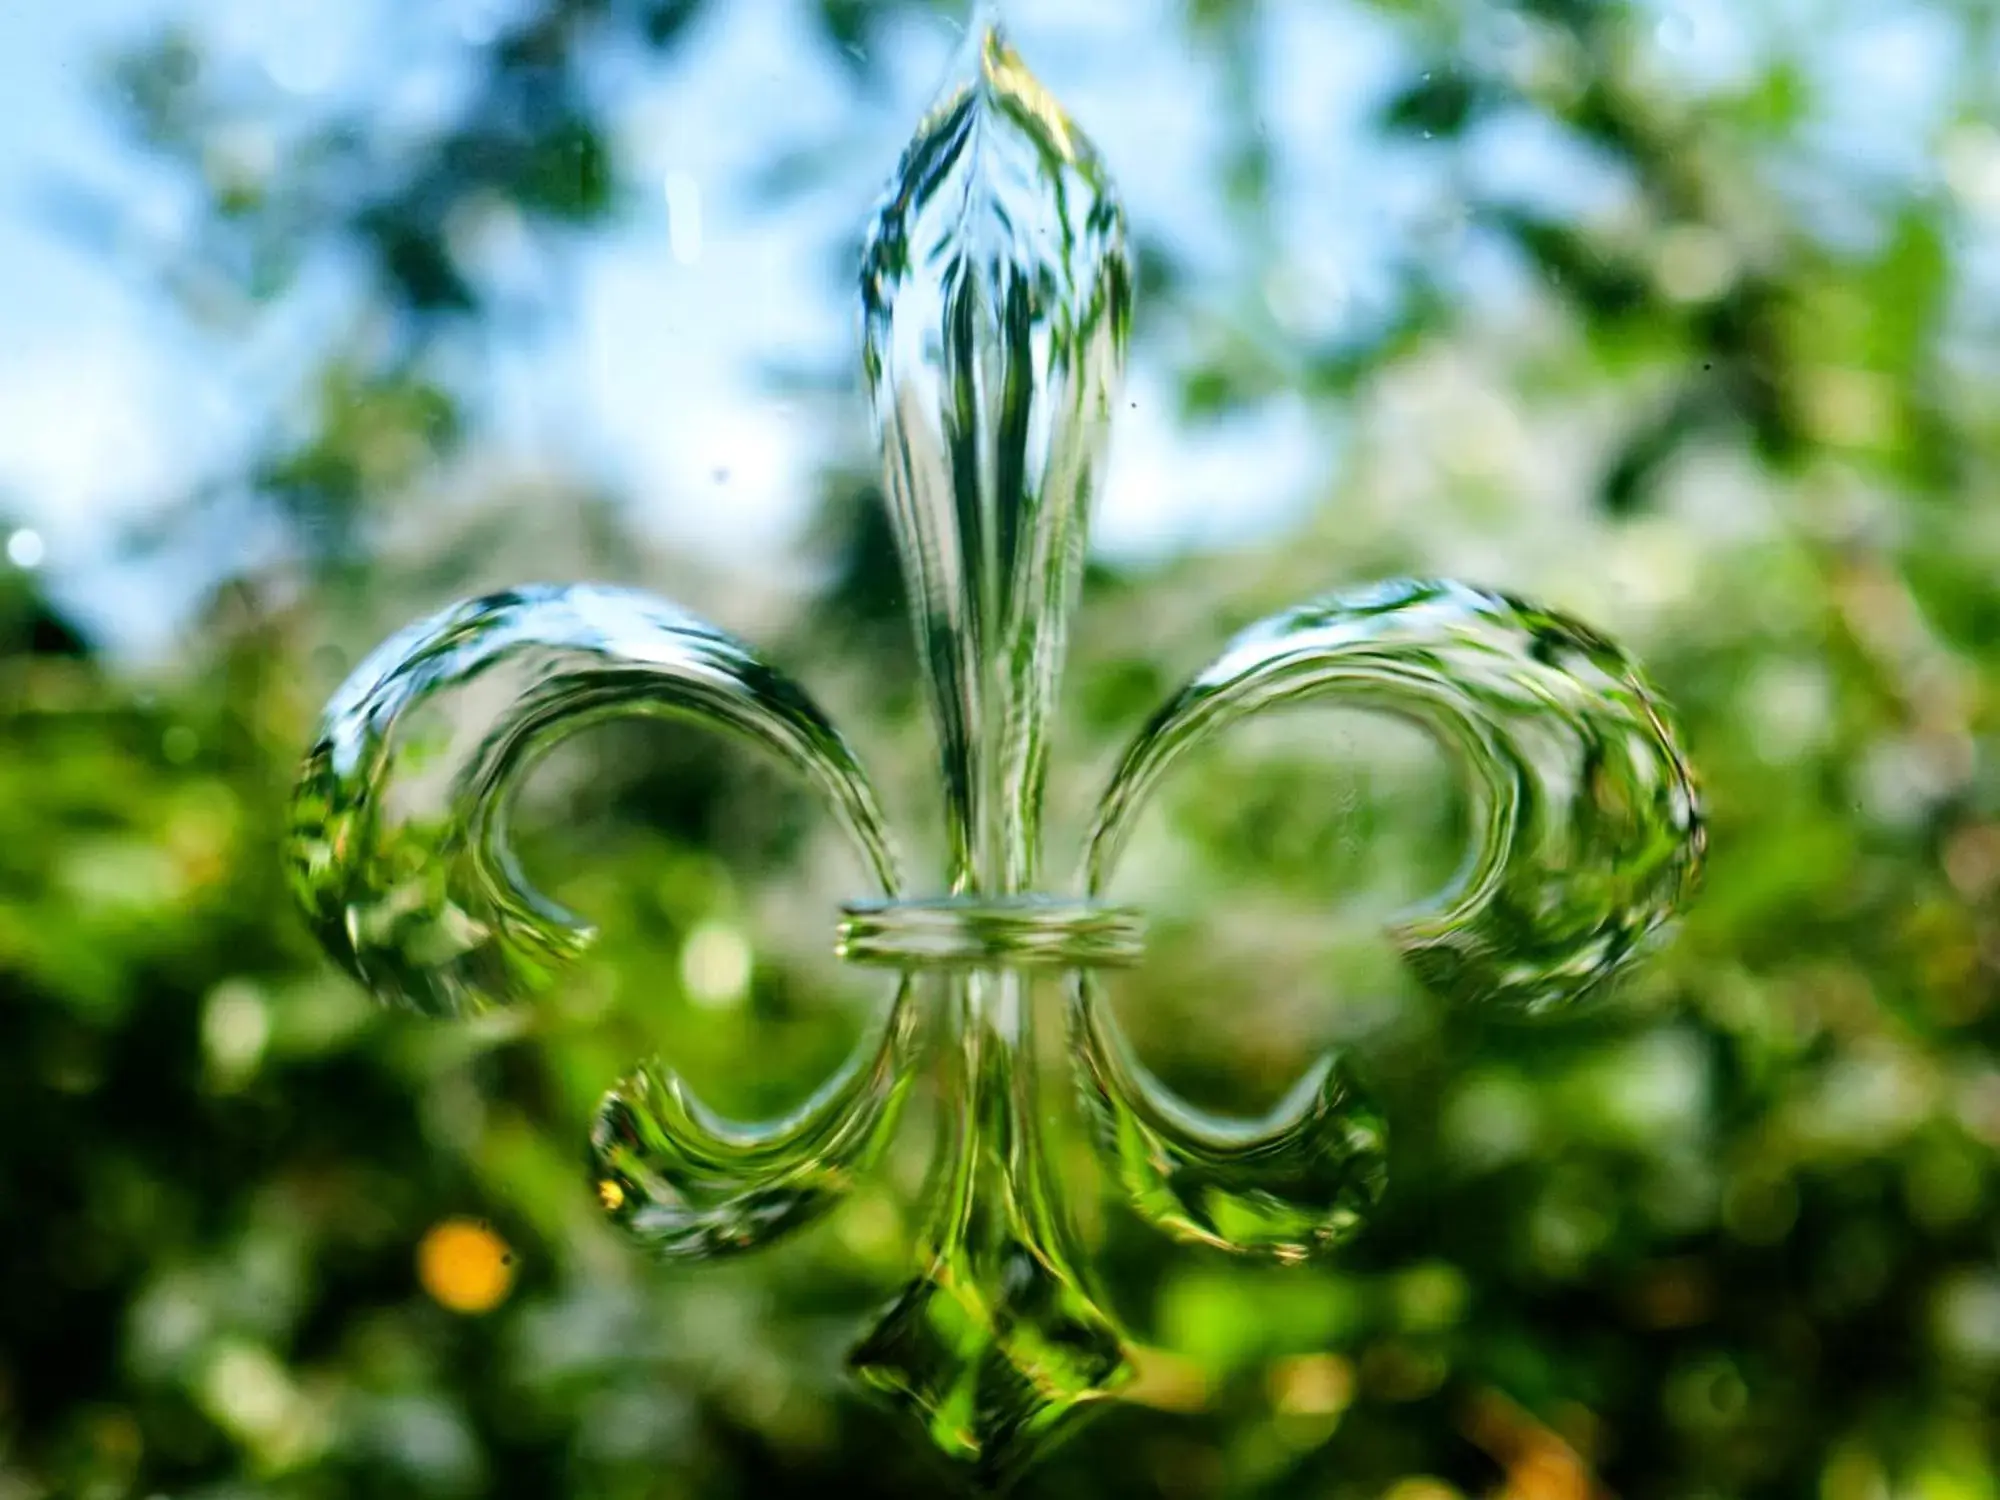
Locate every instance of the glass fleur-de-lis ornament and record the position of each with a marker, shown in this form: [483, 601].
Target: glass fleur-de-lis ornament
[996, 293]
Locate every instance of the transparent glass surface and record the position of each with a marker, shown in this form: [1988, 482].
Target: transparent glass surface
[1290, 751]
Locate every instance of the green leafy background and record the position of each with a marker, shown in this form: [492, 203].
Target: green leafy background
[1730, 1234]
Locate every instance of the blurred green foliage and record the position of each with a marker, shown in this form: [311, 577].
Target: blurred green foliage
[1732, 1235]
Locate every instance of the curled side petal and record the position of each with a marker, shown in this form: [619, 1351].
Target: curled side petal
[1588, 837]
[399, 853]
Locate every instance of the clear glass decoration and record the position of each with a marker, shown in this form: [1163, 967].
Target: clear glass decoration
[997, 294]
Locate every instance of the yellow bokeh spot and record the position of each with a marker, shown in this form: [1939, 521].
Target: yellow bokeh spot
[1316, 1385]
[465, 1266]
[611, 1195]
[1423, 1489]
[1166, 1382]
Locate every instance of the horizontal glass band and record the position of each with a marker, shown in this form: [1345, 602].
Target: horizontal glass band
[981, 931]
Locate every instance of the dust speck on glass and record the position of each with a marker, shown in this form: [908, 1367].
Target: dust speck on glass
[996, 294]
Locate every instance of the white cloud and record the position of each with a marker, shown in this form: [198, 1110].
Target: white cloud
[1231, 481]
[83, 438]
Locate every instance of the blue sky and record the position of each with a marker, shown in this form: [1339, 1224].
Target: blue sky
[75, 382]
[649, 376]
[110, 404]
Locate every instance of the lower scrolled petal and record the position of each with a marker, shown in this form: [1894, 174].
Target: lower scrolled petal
[1297, 1183]
[684, 1183]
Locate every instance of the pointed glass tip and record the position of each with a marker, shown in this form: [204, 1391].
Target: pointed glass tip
[990, 76]
[996, 294]
[984, 22]
[991, 64]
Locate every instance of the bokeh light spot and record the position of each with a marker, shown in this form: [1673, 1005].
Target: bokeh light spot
[25, 549]
[465, 1266]
[1422, 1489]
[716, 965]
[1318, 1385]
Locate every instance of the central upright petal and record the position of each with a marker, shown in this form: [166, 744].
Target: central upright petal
[997, 294]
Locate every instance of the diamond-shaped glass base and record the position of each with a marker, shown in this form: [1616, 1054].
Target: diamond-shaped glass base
[993, 1379]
